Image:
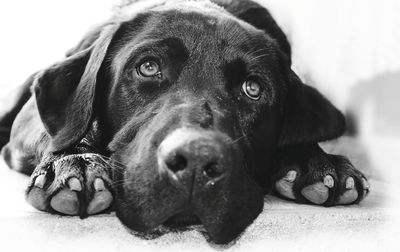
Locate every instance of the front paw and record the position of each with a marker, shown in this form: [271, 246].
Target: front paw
[323, 180]
[73, 185]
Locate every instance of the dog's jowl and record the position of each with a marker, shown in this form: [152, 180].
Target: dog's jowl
[179, 113]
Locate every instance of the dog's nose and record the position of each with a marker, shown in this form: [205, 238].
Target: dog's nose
[191, 149]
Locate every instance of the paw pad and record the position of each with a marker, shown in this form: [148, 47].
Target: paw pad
[317, 193]
[66, 202]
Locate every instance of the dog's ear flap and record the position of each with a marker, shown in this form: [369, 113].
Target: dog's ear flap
[258, 16]
[65, 92]
[309, 117]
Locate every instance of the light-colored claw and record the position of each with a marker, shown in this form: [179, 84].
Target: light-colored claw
[284, 186]
[328, 181]
[99, 185]
[40, 181]
[74, 184]
[351, 194]
[317, 193]
[349, 183]
[290, 176]
[365, 184]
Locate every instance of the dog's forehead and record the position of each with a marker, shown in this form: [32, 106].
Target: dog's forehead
[207, 31]
[201, 23]
[197, 24]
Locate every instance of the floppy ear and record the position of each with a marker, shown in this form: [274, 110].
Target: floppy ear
[258, 16]
[309, 117]
[65, 92]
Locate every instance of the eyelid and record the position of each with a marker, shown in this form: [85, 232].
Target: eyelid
[256, 78]
[144, 59]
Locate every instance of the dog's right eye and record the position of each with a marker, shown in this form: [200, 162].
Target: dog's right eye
[149, 68]
[252, 89]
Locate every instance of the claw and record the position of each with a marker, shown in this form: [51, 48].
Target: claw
[291, 176]
[328, 181]
[349, 183]
[40, 181]
[74, 184]
[365, 186]
[351, 194]
[99, 185]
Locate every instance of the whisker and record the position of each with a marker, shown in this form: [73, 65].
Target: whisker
[238, 139]
[256, 51]
[257, 57]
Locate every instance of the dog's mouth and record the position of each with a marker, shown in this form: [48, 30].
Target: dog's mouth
[183, 219]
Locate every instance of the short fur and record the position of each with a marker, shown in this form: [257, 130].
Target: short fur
[93, 101]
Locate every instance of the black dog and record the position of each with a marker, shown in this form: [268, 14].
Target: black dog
[183, 112]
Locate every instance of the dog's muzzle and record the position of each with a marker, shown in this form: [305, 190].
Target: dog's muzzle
[203, 154]
[199, 176]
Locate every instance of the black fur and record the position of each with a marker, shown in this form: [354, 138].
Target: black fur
[95, 102]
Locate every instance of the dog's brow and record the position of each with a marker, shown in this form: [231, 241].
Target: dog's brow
[158, 47]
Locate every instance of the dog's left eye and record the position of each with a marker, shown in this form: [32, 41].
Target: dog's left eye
[149, 69]
[252, 89]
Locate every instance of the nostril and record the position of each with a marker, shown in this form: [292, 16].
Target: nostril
[176, 163]
[212, 170]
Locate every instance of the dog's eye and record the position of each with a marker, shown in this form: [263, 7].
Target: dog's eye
[252, 89]
[149, 69]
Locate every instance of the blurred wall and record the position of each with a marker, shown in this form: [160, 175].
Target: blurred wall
[349, 50]
[35, 34]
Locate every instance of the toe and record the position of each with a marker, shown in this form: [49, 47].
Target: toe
[101, 201]
[37, 198]
[317, 193]
[348, 197]
[285, 185]
[102, 198]
[66, 202]
[350, 194]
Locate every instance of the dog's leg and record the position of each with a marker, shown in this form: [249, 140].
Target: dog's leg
[72, 184]
[307, 174]
[11, 107]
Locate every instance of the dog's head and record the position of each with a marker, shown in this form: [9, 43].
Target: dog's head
[192, 101]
